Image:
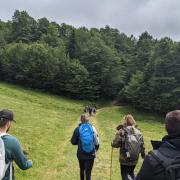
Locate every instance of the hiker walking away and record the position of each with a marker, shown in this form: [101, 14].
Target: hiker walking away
[130, 141]
[86, 109]
[90, 109]
[10, 149]
[86, 137]
[163, 163]
[94, 110]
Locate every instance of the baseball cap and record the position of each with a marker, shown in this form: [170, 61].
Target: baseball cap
[7, 114]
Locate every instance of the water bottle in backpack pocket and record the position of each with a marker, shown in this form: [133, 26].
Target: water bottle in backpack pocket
[87, 137]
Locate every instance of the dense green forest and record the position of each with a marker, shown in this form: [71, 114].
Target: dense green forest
[90, 63]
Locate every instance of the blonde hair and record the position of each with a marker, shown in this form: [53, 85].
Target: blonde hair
[129, 120]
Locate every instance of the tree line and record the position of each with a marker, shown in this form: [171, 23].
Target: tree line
[90, 63]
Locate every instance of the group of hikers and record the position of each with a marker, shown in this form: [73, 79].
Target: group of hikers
[90, 109]
[162, 163]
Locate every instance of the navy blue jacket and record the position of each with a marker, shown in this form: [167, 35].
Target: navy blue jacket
[75, 140]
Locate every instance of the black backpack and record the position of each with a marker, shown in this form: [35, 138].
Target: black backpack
[171, 165]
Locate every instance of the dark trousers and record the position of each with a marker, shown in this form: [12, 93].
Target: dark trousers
[86, 168]
[127, 172]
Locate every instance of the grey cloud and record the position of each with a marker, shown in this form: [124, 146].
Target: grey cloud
[159, 17]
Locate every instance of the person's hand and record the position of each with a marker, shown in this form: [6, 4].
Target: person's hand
[30, 162]
[119, 127]
[97, 147]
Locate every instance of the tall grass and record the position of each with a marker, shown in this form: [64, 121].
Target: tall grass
[45, 124]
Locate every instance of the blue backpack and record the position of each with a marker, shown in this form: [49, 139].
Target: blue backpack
[87, 137]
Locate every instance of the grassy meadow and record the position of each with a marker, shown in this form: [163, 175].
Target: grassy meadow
[46, 122]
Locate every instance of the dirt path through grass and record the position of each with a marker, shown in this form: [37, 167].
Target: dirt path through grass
[102, 163]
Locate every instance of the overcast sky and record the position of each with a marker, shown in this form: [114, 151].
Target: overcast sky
[159, 17]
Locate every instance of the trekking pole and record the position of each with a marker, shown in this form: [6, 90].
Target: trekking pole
[111, 163]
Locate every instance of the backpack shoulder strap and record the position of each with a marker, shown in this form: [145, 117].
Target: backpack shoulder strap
[9, 165]
[91, 126]
[126, 131]
[11, 171]
[137, 131]
[3, 134]
[161, 158]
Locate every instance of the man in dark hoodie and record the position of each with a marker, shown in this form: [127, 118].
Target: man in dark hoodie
[86, 159]
[165, 152]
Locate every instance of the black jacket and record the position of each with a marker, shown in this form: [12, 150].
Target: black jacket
[75, 140]
[151, 168]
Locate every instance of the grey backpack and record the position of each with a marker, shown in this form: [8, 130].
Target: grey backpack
[133, 142]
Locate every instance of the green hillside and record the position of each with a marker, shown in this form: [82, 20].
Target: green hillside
[44, 127]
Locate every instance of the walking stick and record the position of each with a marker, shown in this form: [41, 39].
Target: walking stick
[111, 163]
